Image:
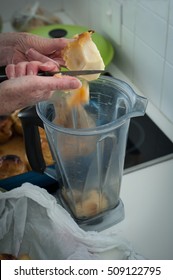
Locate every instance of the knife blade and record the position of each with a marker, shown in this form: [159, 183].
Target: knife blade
[3, 77]
[72, 72]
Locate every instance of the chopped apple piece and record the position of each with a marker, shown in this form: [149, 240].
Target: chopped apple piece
[79, 96]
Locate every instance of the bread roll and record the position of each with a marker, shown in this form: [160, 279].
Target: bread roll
[4, 256]
[11, 165]
[5, 129]
[7, 257]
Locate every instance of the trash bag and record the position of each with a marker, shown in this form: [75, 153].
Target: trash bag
[33, 223]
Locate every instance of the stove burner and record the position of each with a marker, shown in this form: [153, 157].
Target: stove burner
[57, 33]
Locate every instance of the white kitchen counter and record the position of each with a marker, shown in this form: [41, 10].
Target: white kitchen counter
[147, 195]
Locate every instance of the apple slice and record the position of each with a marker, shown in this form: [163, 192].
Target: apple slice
[83, 54]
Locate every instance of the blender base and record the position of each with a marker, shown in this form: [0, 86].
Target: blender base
[105, 220]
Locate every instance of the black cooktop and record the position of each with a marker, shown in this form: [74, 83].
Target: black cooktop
[146, 144]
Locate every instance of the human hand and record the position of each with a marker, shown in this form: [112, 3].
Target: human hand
[26, 54]
[24, 91]
[28, 68]
[18, 47]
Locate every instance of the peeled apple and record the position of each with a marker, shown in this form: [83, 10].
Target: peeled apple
[83, 54]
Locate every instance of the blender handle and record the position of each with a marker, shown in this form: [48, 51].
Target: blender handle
[30, 122]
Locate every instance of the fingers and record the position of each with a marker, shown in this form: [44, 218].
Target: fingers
[10, 71]
[63, 82]
[18, 70]
[53, 83]
[34, 83]
[47, 47]
[32, 54]
[28, 90]
[28, 68]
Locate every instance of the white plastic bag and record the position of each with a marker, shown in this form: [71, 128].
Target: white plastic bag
[33, 16]
[31, 222]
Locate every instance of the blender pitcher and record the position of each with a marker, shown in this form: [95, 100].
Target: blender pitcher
[88, 145]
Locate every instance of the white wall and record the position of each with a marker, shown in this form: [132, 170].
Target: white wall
[143, 41]
[146, 52]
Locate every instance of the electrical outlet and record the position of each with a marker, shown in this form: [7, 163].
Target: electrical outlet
[111, 20]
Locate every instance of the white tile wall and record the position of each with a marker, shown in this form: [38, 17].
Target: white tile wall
[95, 14]
[148, 71]
[151, 29]
[171, 13]
[129, 15]
[127, 48]
[100, 15]
[169, 53]
[158, 7]
[149, 50]
[110, 20]
[78, 10]
[167, 99]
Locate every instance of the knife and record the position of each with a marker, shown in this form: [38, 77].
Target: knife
[3, 76]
